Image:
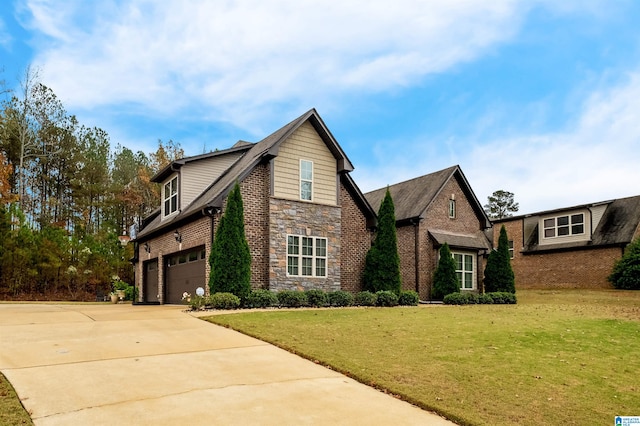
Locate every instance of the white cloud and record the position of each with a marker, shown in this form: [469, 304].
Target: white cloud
[594, 160]
[234, 58]
[5, 37]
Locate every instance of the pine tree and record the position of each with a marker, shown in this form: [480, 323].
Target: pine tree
[626, 271]
[230, 257]
[382, 264]
[498, 275]
[445, 280]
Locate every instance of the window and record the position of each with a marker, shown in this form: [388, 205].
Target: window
[510, 249]
[464, 270]
[452, 209]
[170, 196]
[562, 226]
[306, 256]
[306, 180]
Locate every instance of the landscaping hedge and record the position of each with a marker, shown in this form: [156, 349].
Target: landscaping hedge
[316, 298]
[340, 298]
[408, 298]
[292, 299]
[365, 298]
[386, 298]
[223, 301]
[498, 298]
[261, 299]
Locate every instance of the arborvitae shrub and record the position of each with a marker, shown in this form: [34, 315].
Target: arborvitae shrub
[498, 274]
[386, 298]
[445, 280]
[408, 298]
[365, 298]
[317, 298]
[340, 298]
[626, 271]
[261, 299]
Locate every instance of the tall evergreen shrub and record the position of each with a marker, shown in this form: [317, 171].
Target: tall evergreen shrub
[445, 280]
[382, 264]
[626, 271]
[498, 275]
[230, 257]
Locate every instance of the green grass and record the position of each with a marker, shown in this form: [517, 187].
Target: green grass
[11, 410]
[558, 357]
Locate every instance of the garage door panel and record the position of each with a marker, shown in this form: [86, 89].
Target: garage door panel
[185, 272]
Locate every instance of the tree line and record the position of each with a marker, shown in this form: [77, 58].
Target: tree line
[66, 195]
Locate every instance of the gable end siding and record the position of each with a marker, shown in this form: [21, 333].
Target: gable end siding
[305, 144]
[198, 175]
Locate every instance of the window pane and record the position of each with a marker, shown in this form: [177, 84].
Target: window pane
[174, 186]
[549, 223]
[321, 247]
[321, 267]
[167, 209]
[563, 220]
[577, 229]
[458, 260]
[459, 275]
[577, 218]
[468, 280]
[307, 266]
[167, 190]
[292, 245]
[305, 190]
[292, 265]
[306, 170]
[548, 233]
[307, 246]
[563, 230]
[193, 256]
[174, 204]
[468, 262]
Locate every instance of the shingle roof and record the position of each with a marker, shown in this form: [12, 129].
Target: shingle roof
[617, 226]
[477, 241]
[412, 197]
[254, 154]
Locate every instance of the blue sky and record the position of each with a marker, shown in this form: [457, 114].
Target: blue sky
[540, 98]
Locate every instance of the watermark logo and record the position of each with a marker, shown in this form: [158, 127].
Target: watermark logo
[627, 421]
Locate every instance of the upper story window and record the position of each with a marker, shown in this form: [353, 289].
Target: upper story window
[452, 209]
[306, 256]
[306, 180]
[562, 226]
[510, 249]
[170, 197]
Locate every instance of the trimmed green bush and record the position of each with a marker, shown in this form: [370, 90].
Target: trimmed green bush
[465, 298]
[503, 298]
[261, 298]
[292, 299]
[408, 298]
[197, 302]
[316, 298]
[340, 298]
[223, 301]
[365, 298]
[485, 299]
[386, 298]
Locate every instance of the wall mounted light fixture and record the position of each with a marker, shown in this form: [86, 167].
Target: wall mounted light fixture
[177, 236]
[147, 247]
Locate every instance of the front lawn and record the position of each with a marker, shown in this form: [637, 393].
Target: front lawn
[557, 357]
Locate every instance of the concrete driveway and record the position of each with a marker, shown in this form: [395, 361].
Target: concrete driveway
[125, 365]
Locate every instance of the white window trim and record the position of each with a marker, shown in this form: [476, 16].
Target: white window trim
[570, 225]
[314, 256]
[164, 196]
[306, 180]
[511, 249]
[452, 209]
[463, 271]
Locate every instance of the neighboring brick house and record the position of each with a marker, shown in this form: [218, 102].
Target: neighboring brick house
[432, 210]
[307, 223]
[573, 247]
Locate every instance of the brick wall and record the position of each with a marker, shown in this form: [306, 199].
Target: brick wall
[197, 233]
[436, 217]
[355, 243]
[567, 269]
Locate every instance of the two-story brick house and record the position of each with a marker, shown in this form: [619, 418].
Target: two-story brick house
[432, 210]
[307, 223]
[571, 247]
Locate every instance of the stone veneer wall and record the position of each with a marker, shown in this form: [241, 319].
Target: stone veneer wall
[289, 217]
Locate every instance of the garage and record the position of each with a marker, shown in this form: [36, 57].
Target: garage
[184, 272]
